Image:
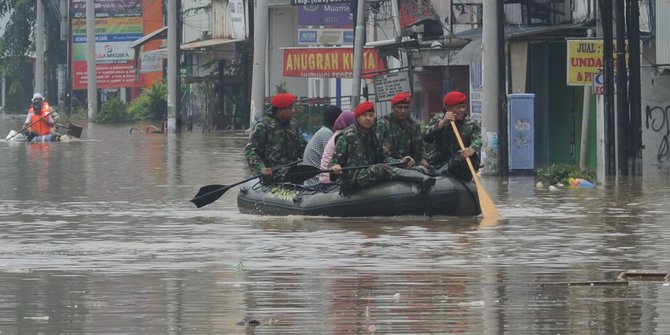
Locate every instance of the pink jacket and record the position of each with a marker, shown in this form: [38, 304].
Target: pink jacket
[328, 151]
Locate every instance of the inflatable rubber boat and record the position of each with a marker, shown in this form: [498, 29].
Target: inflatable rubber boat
[449, 196]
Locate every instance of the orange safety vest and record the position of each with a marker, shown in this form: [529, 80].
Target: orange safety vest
[41, 127]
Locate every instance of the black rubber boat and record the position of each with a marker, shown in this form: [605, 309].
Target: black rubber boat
[449, 196]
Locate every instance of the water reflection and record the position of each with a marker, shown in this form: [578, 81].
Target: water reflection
[98, 236]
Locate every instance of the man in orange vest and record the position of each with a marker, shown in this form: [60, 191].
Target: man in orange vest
[40, 121]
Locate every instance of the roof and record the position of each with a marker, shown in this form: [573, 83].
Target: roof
[159, 33]
[206, 44]
[558, 31]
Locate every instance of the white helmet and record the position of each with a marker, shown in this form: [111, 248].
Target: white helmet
[37, 96]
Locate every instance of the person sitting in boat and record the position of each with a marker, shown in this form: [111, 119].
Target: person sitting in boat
[40, 120]
[317, 143]
[399, 134]
[276, 140]
[358, 146]
[445, 152]
[343, 121]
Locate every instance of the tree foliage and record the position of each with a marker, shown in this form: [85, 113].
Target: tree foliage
[151, 105]
[16, 44]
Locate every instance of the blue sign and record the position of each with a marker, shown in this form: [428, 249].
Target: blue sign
[307, 36]
[334, 16]
[348, 37]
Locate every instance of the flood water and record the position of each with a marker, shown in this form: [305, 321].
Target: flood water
[98, 236]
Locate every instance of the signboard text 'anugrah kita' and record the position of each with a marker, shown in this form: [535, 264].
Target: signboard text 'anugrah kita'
[328, 62]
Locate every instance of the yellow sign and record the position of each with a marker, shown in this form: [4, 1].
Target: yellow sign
[585, 58]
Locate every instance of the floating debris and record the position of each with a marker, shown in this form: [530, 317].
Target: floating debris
[639, 275]
[249, 322]
[37, 318]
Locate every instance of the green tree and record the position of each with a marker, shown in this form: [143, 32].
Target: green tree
[151, 105]
[15, 46]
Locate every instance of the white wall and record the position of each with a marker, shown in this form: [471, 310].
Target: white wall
[195, 22]
[655, 118]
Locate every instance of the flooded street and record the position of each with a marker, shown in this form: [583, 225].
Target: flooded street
[98, 236]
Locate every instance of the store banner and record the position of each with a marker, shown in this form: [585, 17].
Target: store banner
[333, 16]
[118, 23]
[329, 62]
[585, 58]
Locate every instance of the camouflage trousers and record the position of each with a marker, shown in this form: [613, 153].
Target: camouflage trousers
[458, 167]
[365, 177]
[276, 177]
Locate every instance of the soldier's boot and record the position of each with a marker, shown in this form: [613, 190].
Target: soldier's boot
[426, 182]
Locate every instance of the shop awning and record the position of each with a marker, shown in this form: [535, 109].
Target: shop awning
[159, 33]
[207, 44]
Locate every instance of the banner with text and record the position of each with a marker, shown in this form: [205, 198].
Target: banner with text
[329, 62]
[118, 23]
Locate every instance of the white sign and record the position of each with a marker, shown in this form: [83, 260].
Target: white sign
[237, 16]
[325, 36]
[390, 84]
[151, 61]
[599, 83]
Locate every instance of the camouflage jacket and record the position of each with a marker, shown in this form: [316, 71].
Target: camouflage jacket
[272, 143]
[400, 140]
[354, 148]
[443, 144]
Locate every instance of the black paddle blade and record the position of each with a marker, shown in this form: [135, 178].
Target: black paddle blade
[208, 194]
[74, 130]
[297, 174]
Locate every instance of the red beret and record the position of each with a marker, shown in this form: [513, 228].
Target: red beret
[365, 106]
[454, 98]
[401, 98]
[283, 100]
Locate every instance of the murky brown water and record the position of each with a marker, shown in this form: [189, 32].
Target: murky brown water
[98, 237]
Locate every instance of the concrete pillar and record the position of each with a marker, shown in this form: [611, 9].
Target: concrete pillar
[490, 89]
[258, 68]
[92, 85]
[359, 43]
[173, 68]
[39, 48]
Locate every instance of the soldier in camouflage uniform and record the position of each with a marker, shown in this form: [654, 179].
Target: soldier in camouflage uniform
[276, 140]
[399, 134]
[445, 153]
[358, 145]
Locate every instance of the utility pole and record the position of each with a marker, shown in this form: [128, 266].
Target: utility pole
[92, 85]
[634, 92]
[623, 119]
[606, 20]
[39, 48]
[490, 89]
[62, 71]
[2, 94]
[359, 43]
[258, 68]
[173, 74]
[503, 113]
[586, 109]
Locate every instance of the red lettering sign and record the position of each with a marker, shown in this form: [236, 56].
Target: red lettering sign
[329, 62]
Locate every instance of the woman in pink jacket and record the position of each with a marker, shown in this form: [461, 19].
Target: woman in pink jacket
[344, 120]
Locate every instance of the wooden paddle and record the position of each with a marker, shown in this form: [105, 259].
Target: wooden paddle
[299, 173]
[489, 209]
[210, 193]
